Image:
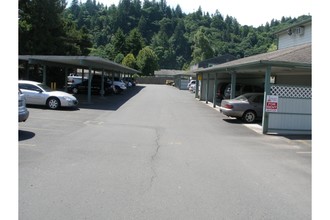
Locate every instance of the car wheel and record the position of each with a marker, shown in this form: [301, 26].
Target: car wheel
[249, 116]
[53, 103]
[116, 90]
[75, 90]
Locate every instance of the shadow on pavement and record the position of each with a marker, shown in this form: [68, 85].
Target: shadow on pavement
[238, 121]
[24, 135]
[257, 126]
[294, 137]
[109, 102]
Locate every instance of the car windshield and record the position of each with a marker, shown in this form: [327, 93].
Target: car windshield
[44, 87]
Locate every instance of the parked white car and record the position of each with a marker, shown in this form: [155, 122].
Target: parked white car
[118, 85]
[37, 93]
[74, 79]
[191, 83]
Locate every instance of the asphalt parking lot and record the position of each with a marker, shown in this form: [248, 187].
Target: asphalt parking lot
[155, 152]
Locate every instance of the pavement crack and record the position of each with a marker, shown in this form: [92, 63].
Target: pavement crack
[154, 158]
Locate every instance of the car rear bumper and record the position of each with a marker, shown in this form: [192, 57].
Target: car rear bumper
[231, 113]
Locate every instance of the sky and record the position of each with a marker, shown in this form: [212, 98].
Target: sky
[247, 12]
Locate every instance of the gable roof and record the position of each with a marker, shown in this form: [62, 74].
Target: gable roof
[293, 57]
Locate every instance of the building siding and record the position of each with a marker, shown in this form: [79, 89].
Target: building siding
[286, 40]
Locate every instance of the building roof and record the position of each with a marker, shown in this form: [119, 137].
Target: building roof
[92, 62]
[216, 60]
[168, 73]
[306, 21]
[282, 60]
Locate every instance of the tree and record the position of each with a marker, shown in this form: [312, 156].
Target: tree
[180, 46]
[41, 27]
[74, 8]
[134, 42]
[160, 45]
[147, 61]
[129, 61]
[202, 49]
[119, 41]
[119, 58]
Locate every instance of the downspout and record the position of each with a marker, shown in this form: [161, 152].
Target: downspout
[265, 115]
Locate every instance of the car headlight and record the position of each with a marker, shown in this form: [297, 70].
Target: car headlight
[69, 99]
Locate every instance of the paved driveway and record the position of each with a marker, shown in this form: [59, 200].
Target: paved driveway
[156, 152]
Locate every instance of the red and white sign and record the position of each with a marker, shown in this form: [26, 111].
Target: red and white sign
[272, 103]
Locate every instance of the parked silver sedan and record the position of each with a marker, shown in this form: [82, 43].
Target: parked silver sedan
[248, 107]
[39, 94]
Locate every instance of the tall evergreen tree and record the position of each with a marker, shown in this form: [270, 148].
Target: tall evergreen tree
[202, 48]
[134, 42]
[41, 27]
[119, 41]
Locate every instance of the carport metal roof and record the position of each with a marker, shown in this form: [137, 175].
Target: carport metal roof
[92, 62]
[284, 61]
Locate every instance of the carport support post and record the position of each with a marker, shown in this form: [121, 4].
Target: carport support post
[207, 88]
[102, 83]
[44, 74]
[89, 86]
[265, 115]
[197, 86]
[66, 80]
[27, 70]
[233, 86]
[214, 89]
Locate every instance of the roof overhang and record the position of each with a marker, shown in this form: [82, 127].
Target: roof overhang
[86, 62]
[287, 61]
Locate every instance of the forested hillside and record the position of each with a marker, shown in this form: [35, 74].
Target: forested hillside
[144, 35]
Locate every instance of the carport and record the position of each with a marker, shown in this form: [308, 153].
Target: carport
[284, 73]
[83, 62]
[181, 81]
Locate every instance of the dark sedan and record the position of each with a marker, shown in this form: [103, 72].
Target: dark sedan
[96, 87]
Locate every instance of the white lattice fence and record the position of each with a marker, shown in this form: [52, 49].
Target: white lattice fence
[294, 113]
[291, 91]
